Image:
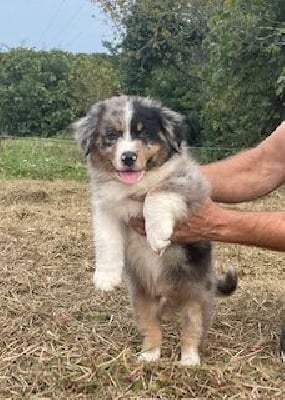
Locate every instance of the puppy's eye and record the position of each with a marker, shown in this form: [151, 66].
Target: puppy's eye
[110, 137]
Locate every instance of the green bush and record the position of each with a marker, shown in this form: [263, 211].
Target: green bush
[41, 93]
[35, 92]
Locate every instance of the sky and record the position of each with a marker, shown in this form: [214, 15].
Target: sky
[73, 25]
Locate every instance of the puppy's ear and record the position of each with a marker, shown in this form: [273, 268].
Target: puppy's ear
[86, 129]
[175, 128]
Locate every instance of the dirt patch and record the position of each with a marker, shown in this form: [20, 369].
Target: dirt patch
[60, 339]
[24, 197]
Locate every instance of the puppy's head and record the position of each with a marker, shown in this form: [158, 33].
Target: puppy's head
[126, 137]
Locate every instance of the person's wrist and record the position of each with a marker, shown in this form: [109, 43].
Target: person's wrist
[211, 215]
[217, 226]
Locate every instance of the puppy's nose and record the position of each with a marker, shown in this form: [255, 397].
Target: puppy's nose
[129, 158]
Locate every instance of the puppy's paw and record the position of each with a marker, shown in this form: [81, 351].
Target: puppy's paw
[106, 280]
[190, 359]
[161, 211]
[158, 233]
[149, 355]
[158, 239]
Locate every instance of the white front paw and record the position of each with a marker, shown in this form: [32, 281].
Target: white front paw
[150, 355]
[190, 359]
[106, 281]
[159, 221]
[158, 238]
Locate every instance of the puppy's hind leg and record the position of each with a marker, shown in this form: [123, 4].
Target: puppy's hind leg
[149, 326]
[195, 319]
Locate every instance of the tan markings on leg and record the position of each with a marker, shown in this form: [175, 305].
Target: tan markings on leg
[149, 326]
[192, 332]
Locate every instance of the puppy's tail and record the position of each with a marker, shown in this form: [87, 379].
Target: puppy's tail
[227, 284]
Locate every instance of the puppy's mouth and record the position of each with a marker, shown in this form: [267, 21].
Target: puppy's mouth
[129, 177]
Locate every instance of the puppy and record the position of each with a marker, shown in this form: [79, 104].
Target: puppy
[135, 150]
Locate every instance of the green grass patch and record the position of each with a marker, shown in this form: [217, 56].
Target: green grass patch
[44, 159]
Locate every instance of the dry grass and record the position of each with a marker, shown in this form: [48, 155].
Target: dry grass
[62, 340]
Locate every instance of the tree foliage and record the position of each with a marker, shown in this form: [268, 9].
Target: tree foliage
[243, 82]
[34, 92]
[161, 54]
[41, 93]
[220, 62]
[93, 78]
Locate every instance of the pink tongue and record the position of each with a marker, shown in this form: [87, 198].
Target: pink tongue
[129, 177]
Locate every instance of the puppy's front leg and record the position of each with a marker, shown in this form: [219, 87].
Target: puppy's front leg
[109, 247]
[161, 211]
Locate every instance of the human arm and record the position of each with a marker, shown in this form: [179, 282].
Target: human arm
[212, 222]
[250, 174]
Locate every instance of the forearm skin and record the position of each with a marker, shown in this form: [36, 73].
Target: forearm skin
[261, 229]
[250, 174]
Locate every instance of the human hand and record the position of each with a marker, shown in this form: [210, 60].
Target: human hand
[199, 226]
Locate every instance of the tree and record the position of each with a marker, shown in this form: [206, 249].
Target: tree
[93, 78]
[41, 93]
[220, 62]
[35, 94]
[245, 43]
[161, 53]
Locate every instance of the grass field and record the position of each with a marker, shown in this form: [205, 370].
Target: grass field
[60, 339]
[44, 159]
